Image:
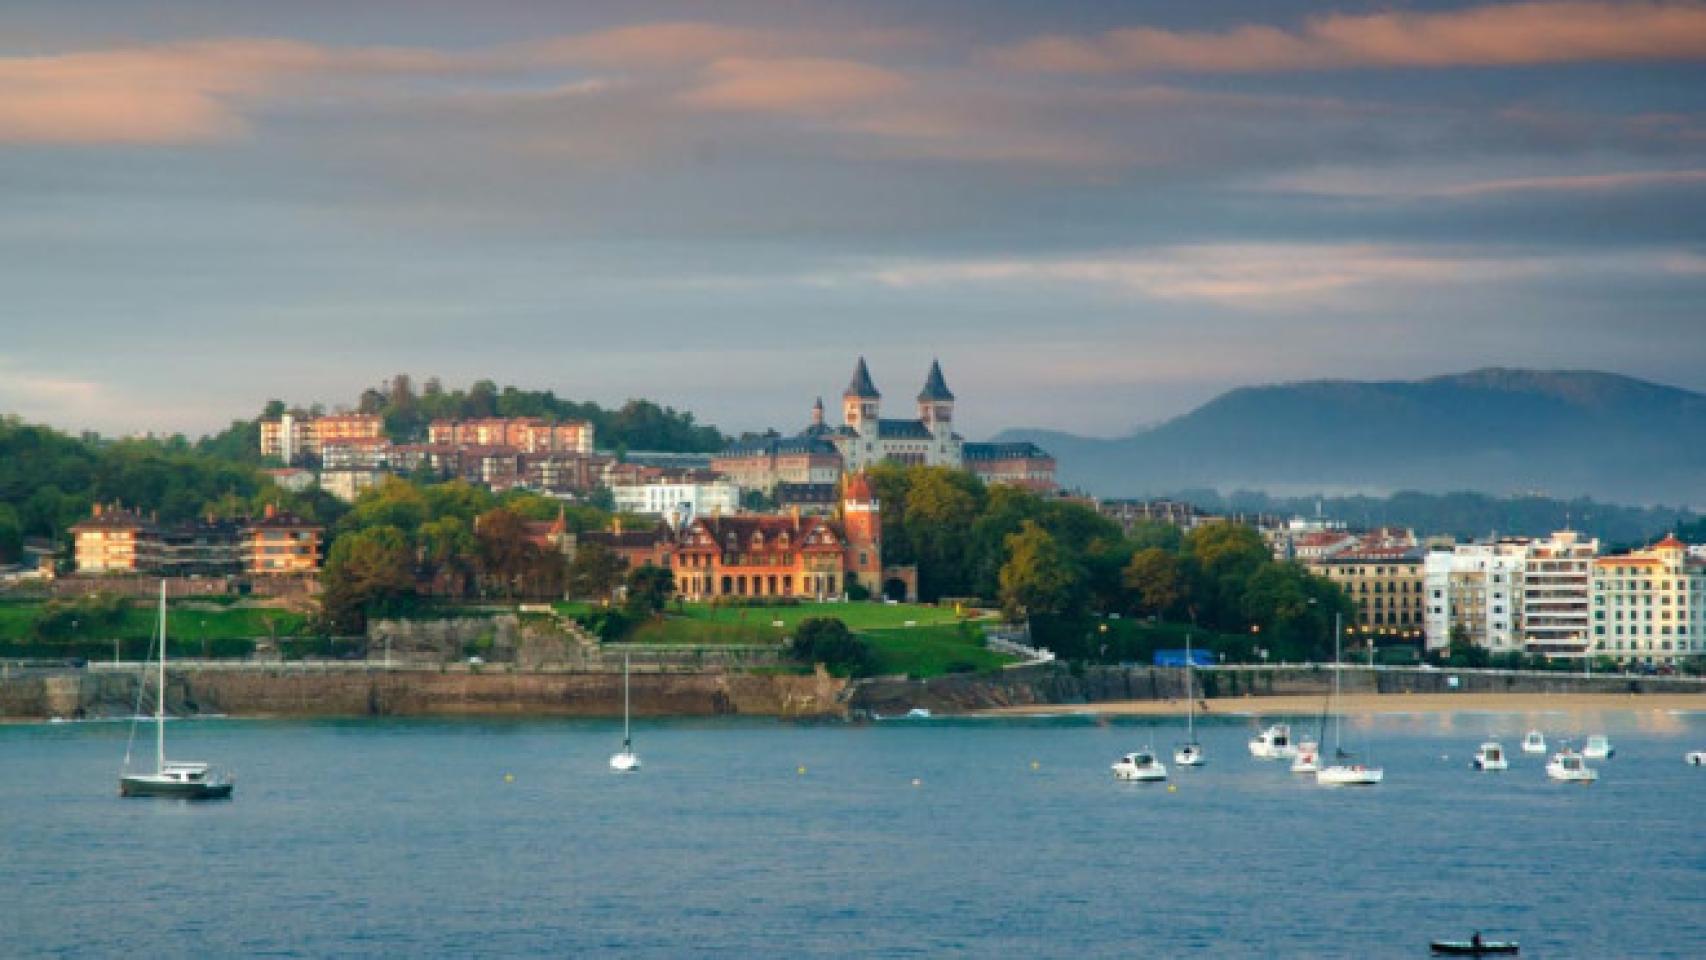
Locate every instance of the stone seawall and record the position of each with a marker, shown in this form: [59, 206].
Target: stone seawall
[1060, 684]
[314, 693]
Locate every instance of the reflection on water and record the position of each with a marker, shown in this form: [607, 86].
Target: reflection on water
[941, 838]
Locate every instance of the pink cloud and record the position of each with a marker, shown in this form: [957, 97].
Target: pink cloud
[791, 84]
[1498, 35]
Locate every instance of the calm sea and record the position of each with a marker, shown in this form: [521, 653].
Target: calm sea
[404, 838]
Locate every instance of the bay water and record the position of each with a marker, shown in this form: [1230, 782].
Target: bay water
[933, 838]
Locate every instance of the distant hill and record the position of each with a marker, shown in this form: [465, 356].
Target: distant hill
[1564, 433]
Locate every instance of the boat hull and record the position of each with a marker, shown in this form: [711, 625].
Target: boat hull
[625, 763]
[1465, 948]
[173, 790]
[1349, 776]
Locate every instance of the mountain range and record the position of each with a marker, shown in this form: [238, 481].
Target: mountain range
[1563, 433]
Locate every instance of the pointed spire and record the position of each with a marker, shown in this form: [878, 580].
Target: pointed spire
[861, 386]
[935, 386]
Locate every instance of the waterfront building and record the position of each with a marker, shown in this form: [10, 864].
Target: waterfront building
[1386, 584]
[1556, 580]
[679, 496]
[1649, 606]
[280, 543]
[1474, 590]
[115, 540]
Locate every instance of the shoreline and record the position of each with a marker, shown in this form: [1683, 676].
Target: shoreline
[1369, 704]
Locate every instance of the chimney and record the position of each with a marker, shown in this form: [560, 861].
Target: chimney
[97, 508]
[271, 511]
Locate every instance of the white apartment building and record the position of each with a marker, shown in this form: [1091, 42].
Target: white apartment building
[1556, 582]
[1476, 588]
[678, 500]
[1649, 606]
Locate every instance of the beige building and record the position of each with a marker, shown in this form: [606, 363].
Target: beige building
[279, 543]
[1649, 606]
[1387, 586]
[292, 439]
[525, 434]
[116, 540]
[1555, 584]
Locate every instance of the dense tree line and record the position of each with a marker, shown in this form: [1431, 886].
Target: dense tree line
[49, 481]
[1060, 564]
[636, 425]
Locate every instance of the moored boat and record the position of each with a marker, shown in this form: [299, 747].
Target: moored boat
[172, 779]
[1598, 748]
[1274, 743]
[1141, 765]
[625, 760]
[1567, 766]
[1475, 947]
[1490, 756]
[1308, 759]
[1534, 742]
[1695, 758]
[1190, 754]
[1344, 771]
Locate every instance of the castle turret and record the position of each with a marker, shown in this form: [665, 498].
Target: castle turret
[860, 401]
[817, 416]
[936, 402]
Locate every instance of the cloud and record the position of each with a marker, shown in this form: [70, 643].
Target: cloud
[1248, 276]
[1498, 35]
[1423, 184]
[789, 85]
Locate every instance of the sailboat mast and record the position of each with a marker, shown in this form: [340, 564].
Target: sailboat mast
[1338, 668]
[1190, 701]
[160, 705]
[625, 734]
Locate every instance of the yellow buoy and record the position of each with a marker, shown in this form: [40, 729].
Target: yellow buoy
[509, 778]
[1035, 765]
[802, 770]
[1172, 789]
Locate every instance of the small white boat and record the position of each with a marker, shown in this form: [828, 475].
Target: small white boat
[918, 713]
[1568, 766]
[1695, 758]
[1189, 755]
[625, 760]
[1274, 743]
[1142, 765]
[1598, 748]
[1343, 772]
[1349, 775]
[1308, 759]
[1490, 756]
[1534, 742]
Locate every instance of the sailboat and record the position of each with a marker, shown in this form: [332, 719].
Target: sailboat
[180, 779]
[1189, 755]
[625, 760]
[1342, 772]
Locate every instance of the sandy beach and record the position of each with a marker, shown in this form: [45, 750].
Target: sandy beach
[1368, 704]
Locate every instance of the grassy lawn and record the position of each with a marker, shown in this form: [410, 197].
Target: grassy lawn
[932, 651]
[857, 616]
[138, 621]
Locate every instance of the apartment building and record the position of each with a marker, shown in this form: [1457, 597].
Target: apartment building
[1649, 606]
[1386, 583]
[293, 439]
[1556, 579]
[1475, 589]
[525, 434]
[679, 496]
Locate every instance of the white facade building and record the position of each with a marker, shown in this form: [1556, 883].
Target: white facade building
[680, 500]
[1476, 587]
[1649, 606]
[1556, 582]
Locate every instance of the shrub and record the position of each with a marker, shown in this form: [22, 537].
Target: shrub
[827, 640]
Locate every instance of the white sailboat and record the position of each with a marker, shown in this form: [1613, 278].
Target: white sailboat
[180, 779]
[1341, 772]
[1189, 755]
[625, 760]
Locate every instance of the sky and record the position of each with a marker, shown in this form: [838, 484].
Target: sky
[1097, 214]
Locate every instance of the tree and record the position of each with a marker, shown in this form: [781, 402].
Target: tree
[1157, 578]
[1039, 576]
[367, 572]
[649, 589]
[594, 572]
[827, 640]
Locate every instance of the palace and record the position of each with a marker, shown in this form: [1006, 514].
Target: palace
[767, 555]
[821, 453]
